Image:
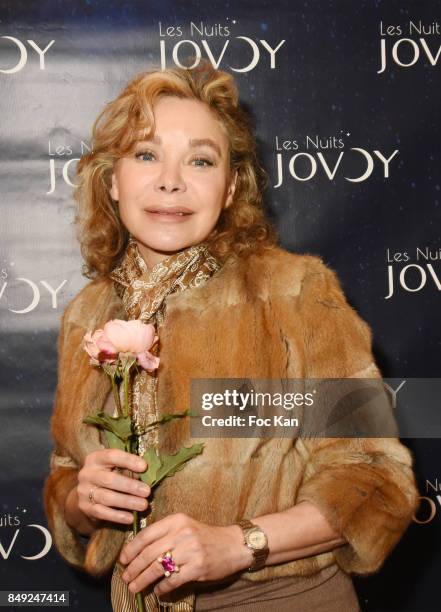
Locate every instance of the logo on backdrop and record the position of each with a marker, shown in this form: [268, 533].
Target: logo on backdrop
[18, 535]
[222, 43]
[26, 293]
[62, 164]
[15, 63]
[406, 46]
[314, 155]
[430, 504]
[422, 271]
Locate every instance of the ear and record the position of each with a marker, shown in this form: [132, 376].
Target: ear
[114, 190]
[231, 190]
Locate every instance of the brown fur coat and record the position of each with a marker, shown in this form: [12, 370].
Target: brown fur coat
[274, 315]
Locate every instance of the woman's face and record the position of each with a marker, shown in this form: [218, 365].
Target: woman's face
[172, 189]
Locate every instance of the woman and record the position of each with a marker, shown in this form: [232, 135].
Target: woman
[172, 232]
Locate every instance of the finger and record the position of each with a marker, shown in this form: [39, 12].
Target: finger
[121, 470]
[152, 573]
[190, 568]
[124, 471]
[151, 534]
[108, 497]
[155, 572]
[141, 562]
[175, 580]
[149, 555]
[126, 484]
[110, 514]
[111, 457]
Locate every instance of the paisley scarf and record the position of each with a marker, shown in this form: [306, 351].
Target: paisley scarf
[143, 292]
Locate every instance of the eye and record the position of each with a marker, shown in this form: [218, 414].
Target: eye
[141, 155]
[204, 162]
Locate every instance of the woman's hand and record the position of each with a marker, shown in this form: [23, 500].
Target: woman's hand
[202, 552]
[115, 493]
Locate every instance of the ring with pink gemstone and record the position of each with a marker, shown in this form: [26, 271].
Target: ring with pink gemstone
[168, 564]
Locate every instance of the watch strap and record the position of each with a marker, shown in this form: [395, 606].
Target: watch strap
[259, 555]
[246, 524]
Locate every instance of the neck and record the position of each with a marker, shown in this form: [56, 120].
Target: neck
[153, 257]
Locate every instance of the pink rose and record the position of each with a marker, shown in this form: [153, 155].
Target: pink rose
[120, 336]
[95, 351]
[128, 336]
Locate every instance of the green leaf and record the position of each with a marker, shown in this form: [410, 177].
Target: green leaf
[114, 441]
[173, 463]
[169, 417]
[153, 465]
[120, 426]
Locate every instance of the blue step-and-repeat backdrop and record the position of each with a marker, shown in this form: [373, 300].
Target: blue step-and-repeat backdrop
[346, 100]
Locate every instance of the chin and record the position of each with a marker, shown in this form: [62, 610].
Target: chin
[168, 246]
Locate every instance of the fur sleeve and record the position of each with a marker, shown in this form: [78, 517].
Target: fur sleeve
[365, 487]
[94, 555]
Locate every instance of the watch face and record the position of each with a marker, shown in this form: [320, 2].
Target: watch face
[257, 539]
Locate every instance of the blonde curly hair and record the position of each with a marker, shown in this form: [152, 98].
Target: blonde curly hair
[242, 228]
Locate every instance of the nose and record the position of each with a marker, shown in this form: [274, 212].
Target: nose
[170, 178]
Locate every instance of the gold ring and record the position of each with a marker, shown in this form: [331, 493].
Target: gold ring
[91, 497]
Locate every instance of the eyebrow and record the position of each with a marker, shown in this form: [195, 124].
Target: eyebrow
[193, 142]
[196, 142]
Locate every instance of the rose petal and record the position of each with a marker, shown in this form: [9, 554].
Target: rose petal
[115, 332]
[105, 357]
[147, 361]
[105, 346]
[141, 336]
[90, 343]
[129, 336]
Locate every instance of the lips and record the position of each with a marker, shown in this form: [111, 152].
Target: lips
[172, 210]
[168, 214]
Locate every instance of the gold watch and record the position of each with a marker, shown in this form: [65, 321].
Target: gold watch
[256, 540]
